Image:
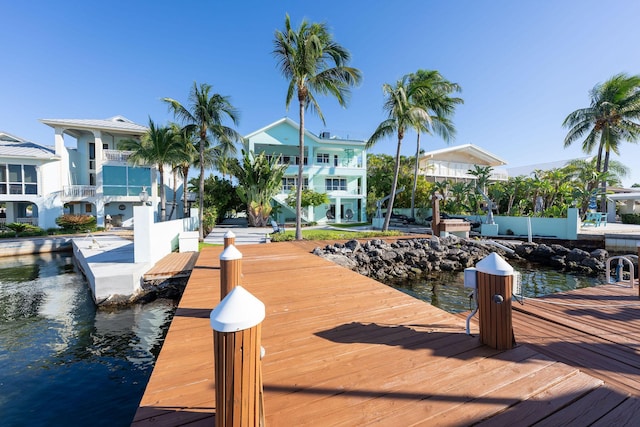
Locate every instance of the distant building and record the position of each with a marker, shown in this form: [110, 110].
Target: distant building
[88, 175]
[453, 164]
[332, 165]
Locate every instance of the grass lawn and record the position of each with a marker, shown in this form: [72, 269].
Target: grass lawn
[322, 234]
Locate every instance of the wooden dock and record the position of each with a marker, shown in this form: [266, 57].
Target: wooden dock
[174, 265]
[342, 349]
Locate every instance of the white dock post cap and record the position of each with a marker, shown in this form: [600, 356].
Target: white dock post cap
[238, 311]
[229, 235]
[494, 264]
[230, 253]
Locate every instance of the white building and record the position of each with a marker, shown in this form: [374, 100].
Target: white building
[332, 165]
[84, 173]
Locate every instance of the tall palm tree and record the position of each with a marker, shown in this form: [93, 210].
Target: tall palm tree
[159, 146]
[402, 114]
[611, 118]
[205, 114]
[187, 140]
[434, 97]
[313, 63]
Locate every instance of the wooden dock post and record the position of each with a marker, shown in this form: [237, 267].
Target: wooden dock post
[229, 238]
[495, 285]
[230, 270]
[236, 324]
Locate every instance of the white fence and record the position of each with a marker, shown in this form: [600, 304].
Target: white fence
[154, 240]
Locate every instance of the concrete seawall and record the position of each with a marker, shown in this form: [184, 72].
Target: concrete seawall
[34, 245]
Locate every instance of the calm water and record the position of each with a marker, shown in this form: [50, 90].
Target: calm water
[62, 361]
[446, 289]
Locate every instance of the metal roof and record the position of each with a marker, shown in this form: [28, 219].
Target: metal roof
[13, 146]
[116, 123]
[469, 151]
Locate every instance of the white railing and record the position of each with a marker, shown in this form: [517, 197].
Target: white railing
[117, 155]
[28, 220]
[78, 191]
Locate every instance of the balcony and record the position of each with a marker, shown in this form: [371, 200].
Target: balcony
[78, 191]
[117, 155]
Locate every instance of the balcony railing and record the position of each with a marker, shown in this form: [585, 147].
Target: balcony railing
[78, 191]
[117, 155]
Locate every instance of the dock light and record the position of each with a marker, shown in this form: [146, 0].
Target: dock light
[144, 196]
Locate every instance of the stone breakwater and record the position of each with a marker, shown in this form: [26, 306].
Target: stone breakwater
[410, 258]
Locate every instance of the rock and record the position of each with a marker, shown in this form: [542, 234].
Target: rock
[600, 254]
[577, 255]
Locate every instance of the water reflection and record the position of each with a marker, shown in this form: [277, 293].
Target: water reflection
[446, 289]
[62, 361]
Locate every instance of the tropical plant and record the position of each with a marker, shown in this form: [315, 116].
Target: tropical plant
[205, 115]
[313, 63]
[402, 114]
[309, 198]
[611, 119]
[219, 193]
[157, 146]
[76, 223]
[259, 179]
[434, 97]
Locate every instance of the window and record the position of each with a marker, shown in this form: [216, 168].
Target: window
[322, 158]
[289, 183]
[125, 180]
[335, 184]
[18, 179]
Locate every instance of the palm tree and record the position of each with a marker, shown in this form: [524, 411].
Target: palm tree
[205, 115]
[159, 146]
[611, 118]
[313, 63]
[402, 114]
[585, 175]
[434, 97]
[188, 143]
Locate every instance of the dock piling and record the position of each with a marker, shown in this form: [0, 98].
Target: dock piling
[236, 324]
[230, 269]
[494, 290]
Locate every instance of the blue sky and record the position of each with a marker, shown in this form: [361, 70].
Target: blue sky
[523, 65]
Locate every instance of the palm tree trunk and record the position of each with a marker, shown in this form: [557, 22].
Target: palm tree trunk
[387, 218]
[300, 168]
[415, 177]
[163, 202]
[201, 191]
[605, 168]
[175, 190]
[185, 208]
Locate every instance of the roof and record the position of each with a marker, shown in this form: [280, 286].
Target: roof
[467, 152]
[13, 146]
[117, 123]
[308, 134]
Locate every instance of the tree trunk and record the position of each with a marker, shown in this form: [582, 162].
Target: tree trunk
[185, 207]
[415, 177]
[300, 168]
[163, 202]
[175, 191]
[201, 191]
[605, 169]
[387, 218]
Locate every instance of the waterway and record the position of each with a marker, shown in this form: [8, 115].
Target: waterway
[446, 290]
[63, 362]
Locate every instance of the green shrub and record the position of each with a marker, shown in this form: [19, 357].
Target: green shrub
[630, 218]
[209, 218]
[24, 230]
[77, 223]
